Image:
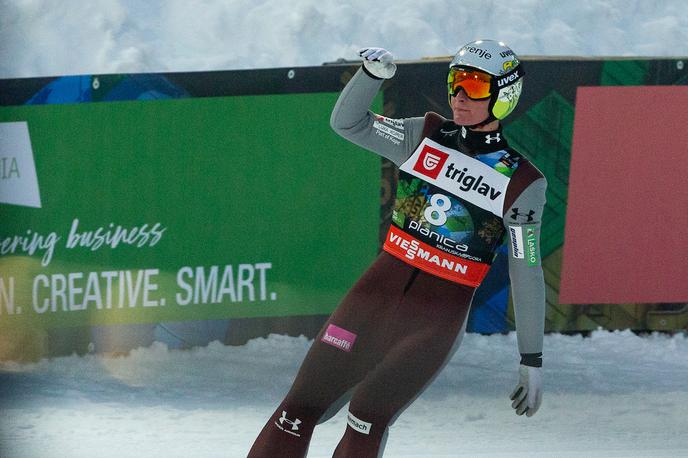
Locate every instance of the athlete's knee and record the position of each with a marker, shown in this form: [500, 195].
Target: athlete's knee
[365, 423]
[364, 437]
[307, 413]
[287, 433]
[333, 409]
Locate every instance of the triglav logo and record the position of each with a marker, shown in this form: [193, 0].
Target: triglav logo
[430, 162]
[18, 181]
[294, 424]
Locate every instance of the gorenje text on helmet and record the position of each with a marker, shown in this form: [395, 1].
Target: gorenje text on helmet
[480, 52]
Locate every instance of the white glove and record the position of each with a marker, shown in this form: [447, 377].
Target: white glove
[378, 62]
[528, 393]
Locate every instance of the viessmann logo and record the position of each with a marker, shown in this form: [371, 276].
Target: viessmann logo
[430, 162]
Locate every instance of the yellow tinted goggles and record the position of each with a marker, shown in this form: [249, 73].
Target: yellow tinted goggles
[476, 84]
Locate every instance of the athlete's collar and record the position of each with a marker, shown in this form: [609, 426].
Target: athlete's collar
[479, 141]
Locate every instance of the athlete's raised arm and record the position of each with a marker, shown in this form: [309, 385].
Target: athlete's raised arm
[351, 118]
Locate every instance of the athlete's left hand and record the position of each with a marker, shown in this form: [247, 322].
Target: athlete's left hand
[528, 393]
[379, 62]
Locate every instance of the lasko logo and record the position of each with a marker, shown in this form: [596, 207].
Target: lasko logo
[18, 181]
[531, 242]
[338, 337]
[361, 426]
[294, 424]
[430, 162]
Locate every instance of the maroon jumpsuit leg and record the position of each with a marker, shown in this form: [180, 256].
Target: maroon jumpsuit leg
[329, 370]
[423, 333]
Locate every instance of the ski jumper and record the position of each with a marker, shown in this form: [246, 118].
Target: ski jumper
[460, 194]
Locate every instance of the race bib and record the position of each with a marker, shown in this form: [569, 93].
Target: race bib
[447, 219]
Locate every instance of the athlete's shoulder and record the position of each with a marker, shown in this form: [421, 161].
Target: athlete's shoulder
[528, 172]
[525, 176]
[433, 122]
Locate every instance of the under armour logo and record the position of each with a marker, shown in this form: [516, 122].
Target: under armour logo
[294, 424]
[489, 139]
[528, 216]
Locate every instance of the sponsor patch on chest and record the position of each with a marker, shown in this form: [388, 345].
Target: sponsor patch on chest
[459, 174]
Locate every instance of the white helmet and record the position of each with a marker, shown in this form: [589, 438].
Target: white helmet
[497, 59]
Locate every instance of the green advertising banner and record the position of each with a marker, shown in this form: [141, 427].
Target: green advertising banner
[186, 209]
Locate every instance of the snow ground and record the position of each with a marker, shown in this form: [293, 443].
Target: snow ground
[613, 394]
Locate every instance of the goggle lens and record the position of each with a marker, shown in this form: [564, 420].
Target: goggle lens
[476, 84]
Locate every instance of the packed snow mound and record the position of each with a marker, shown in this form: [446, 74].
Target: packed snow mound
[39, 38]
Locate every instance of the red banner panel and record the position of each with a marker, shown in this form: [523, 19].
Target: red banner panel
[626, 236]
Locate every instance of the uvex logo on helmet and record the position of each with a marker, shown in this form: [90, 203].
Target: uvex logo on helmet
[501, 82]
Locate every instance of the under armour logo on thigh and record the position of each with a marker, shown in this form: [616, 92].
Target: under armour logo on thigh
[293, 423]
